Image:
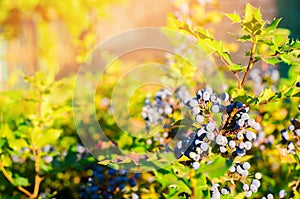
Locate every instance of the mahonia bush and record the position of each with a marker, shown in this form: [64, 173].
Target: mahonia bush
[242, 142]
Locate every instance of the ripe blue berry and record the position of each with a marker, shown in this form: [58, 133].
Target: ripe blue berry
[132, 182]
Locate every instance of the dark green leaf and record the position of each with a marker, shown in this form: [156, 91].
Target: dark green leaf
[245, 38]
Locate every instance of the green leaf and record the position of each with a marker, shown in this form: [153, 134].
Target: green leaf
[104, 162]
[296, 93]
[5, 160]
[239, 95]
[216, 169]
[48, 136]
[201, 185]
[252, 13]
[289, 59]
[17, 144]
[273, 25]
[46, 167]
[279, 40]
[211, 46]
[288, 91]
[180, 170]
[227, 58]
[234, 17]
[171, 193]
[125, 141]
[180, 25]
[20, 181]
[242, 96]
[236, 68]
[243, 158]
[252, 22]
[2, 142]
[6, 132]
[266, 95]
[167, 157]
[271, 60]
[203, 34]
[245, 38]
[227, 196]
[248, 53]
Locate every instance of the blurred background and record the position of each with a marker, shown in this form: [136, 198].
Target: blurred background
[57, 35]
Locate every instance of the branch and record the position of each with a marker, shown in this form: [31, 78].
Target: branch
[11, 180]
[38, 179]
[251, 61]
[37, 152]
[194, 184]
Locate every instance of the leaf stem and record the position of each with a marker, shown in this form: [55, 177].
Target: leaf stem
[234, 73]
[238, 79]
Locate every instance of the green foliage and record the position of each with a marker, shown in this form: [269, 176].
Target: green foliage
[273, 106]
[40, 116]
[31, 121]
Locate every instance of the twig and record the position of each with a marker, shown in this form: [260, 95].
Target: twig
[238, 79]
[234, 73]
[37, 152]
[251, 61]
[224, 61]
[194, 184]
[11, 180]
[38, 179]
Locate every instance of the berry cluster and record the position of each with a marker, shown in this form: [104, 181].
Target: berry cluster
[264, 78]
[182, 93]
[251, 188]
[282, 194]
[107, 183]
[240, 169]
[156, 111]
[231, 137]
[294, 128]
[216, 191]
[234, 137]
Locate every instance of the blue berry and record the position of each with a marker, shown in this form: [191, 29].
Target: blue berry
[111, 172]
[122, 186]
[118, 179]
[137, 175]
[132, 182]
[124, 178]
